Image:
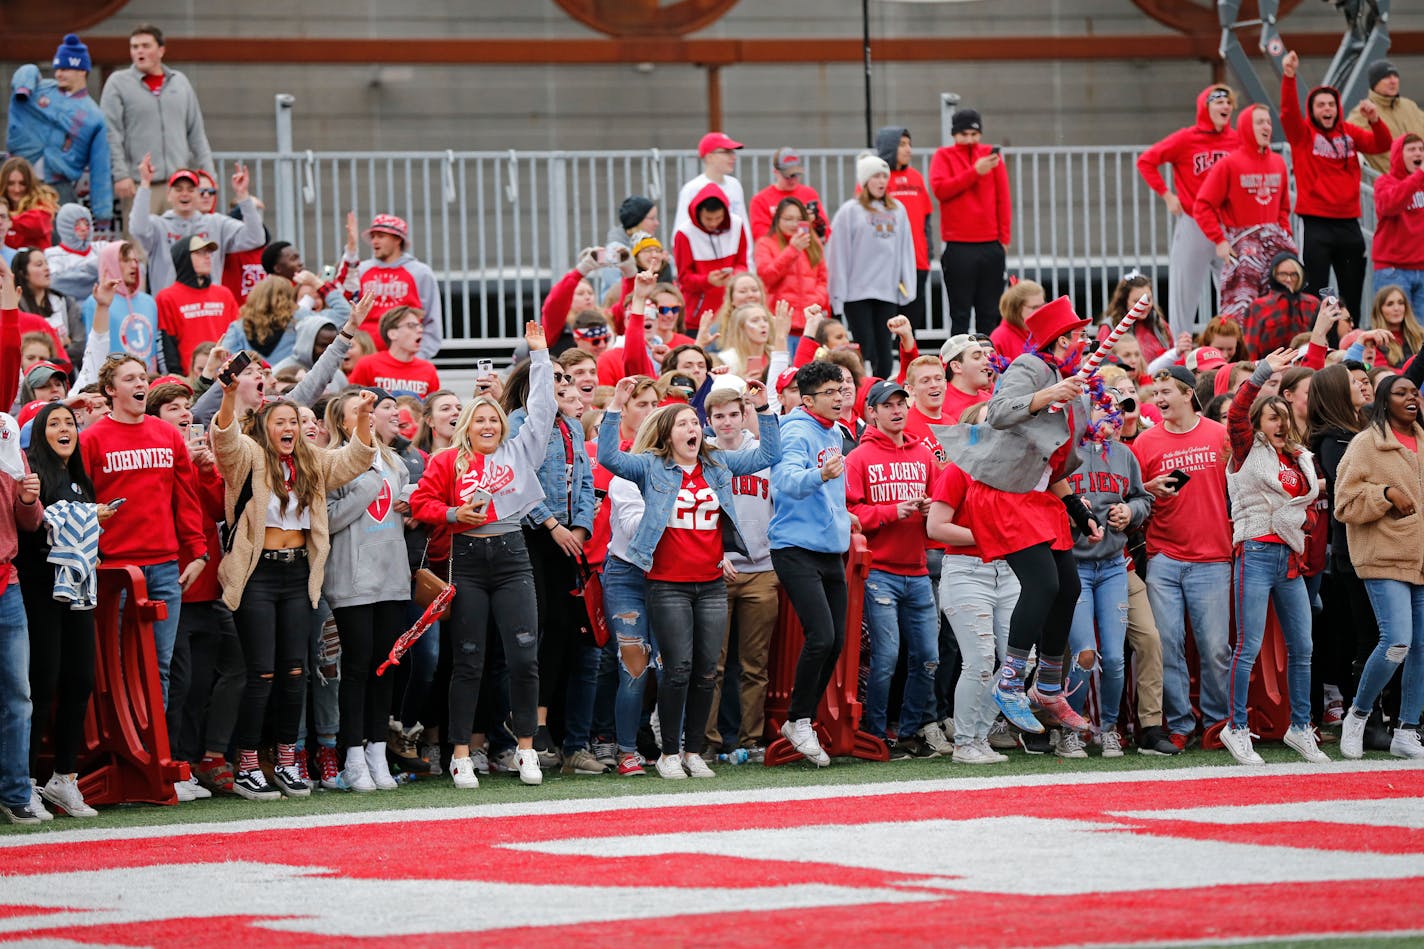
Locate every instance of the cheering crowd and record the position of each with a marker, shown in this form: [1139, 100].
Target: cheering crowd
[690, 432]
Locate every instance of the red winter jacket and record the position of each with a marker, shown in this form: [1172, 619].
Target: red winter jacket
[1399, 207]
[1191, 152]
[973, 208]
[1247, 187]
[697, 252]
[1327, 163]
[788, 275]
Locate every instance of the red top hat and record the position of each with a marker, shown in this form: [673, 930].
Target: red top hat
[1052, 320]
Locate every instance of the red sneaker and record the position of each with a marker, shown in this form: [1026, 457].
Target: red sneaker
[215, 774]
[630, 765]
[1180, 740]
[1056, 706]
[329, 766]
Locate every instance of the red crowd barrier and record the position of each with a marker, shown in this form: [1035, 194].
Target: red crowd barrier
[838, 716]
[127, 758]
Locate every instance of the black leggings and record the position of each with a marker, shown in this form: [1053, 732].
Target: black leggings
[367, 634]
[1044, 612]
[1335, 243]
[867, 320]
[61, 671]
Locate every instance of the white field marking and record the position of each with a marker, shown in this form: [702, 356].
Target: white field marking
[1389, 812]
[313, 900]
[1071, 857]
[591, 805]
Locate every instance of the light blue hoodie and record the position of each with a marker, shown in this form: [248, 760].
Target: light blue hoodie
[807, 512]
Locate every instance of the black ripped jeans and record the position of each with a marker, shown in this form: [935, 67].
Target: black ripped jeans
[688, 622]
[494, 582]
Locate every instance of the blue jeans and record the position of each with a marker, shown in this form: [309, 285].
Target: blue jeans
[1410, 281]
[162, 581]
[1261, 570]
[899, 607]
[15, 709]
[581, 694]
[625, 605]
[1399, 608]
[1176, 589]
[1100, 625]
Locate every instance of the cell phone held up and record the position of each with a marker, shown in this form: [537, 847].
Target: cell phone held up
[234, 368]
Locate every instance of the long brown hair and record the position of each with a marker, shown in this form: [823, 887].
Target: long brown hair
[424, 436]
[655, 434]
[813, 252]
[1283, 411]
[1409, 326]
[1330, 404]
[268, 309]
[37, 193]
[307, 489]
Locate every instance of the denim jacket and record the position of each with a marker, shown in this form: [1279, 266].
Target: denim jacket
[554, 478]
[659, 479]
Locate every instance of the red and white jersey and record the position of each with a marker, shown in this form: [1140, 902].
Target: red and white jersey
[690, 549]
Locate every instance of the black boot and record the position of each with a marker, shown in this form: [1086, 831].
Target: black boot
[1377, 735]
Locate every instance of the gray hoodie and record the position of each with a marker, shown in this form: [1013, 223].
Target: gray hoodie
[368, 561]
[871, 255]
[157, 234]
[168, 126]
[1108, 477]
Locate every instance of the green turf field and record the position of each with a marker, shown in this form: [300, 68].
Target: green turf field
[506, 788]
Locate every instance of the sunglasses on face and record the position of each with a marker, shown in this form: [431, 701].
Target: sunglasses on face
[669, 310]
[560, 377]
[207, 192]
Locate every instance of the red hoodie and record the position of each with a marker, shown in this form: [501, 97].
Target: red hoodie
[1399, 207]
[1247, 187]
[1327, 163]
[1191, 152]
[145, 462]
[191, 316]
[697, 252]
[242, 270]
[879, 475]
[973, 208]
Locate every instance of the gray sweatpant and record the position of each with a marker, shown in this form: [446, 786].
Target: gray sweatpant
[1193, 258]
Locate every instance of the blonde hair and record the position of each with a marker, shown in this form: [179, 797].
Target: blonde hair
[725, 310]
[1409, 326]
[268, 309]
[739, 345]
[461, 443]
[336, 425]
[655, 434]
[1011, 304]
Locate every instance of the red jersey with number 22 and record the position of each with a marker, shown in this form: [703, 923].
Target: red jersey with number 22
[691, 546]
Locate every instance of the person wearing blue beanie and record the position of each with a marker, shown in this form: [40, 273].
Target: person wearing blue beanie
[58, 127]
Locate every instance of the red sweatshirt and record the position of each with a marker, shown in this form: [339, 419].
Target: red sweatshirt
[242, 270]
[147, 463]
[973, 208]
[879, 475]
[210, 498]
[1191, 152]
[1399, 207]
[32, 228]
[697, 252]
[1009, 340]
[417, 377]
[10, 328]
[1245, 188]
[193, 316]
[1327, 163]
[26, 517]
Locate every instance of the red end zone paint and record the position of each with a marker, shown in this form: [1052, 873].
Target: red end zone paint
[1120, 862]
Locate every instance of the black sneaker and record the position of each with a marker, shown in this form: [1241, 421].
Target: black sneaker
[1378, 735]
[912, 747]
[254, 786]
[21, 814]
[1154, 740]
[1035, 743]
[290, 782]
[647, 744]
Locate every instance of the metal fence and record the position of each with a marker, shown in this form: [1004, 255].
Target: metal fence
[499, 227]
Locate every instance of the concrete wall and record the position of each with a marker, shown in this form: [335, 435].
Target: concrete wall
[614, 107]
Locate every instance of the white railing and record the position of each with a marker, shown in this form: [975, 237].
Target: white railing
[499, 227]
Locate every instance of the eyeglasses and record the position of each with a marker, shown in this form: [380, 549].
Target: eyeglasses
[817, 395]
[408, 326]
[669, 310]
[793, 175]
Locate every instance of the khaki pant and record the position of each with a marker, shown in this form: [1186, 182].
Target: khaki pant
[1147, 652]
[752, 607]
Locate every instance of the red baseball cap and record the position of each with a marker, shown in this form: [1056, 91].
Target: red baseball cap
[1205, 359]
[30, 410]
[183, 174]
[715, 140]
[787, 377]
[172, 380]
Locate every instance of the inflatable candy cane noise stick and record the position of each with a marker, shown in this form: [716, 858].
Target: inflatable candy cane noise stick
[1138, 311]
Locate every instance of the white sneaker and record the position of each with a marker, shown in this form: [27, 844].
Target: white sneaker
[356, 776]
[803, 738]
[1067, 743]
[462, 770]
[697, 768]
[933, 736]
[947, 726]
[62, 791]
[37, 803]
[1405, 744]
[1352, 734]
[970, 754]
[379, 768]
[1302, 739]
[184, 790]
[670, 767]
[1238, 742]
[987, 749]
[527, 760]
[1112, 743]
